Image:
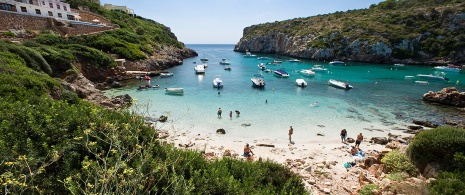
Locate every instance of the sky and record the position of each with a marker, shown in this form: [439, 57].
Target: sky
[223, 21]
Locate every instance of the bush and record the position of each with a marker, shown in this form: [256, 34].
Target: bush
[9, 34]
[448, 183]
[437, 145]
[50, 39]
[397, 161]
[368, 189]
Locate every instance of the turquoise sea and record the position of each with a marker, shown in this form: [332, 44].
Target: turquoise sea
[382, 99]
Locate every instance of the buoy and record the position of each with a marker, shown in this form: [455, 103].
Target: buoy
[457, 82]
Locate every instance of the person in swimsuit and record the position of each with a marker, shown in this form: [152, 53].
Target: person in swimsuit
[343, 135]
[359, 140]
[248, 152]
[219, 112]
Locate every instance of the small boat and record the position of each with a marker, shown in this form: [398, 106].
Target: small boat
[339, 84]
[257, 81]
[225, 62]
[199, 69]
[294, 60]
[301, 82]
[421, 82]
[337, 62]
[307, 72]
[275, 62]
[174, 90]
[268, 70]
[318, 68]
[249, 55]
[409, 77]
[204, 59]
[205, 65]
[281, 72]
[399, 65]
[217, 82]
[432, 77]
[262, 58]
[166, 74]
[261, 66]
[227, 68]
[450, 68]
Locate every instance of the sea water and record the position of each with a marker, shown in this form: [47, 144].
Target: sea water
[382, 99]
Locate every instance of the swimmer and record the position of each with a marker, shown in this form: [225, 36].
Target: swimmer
[314, 104]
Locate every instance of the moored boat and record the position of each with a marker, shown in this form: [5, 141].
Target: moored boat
[227, 68]
[399, 65]
[275, 62]
[281, 72]
[294, 60]
[301, 82]
[174, 90]
[258, 81]
[450, 68]
[432, 77]
[318, 68]
[261, 66]
[337, 62]
[249, 55]
[307, 72]
[225, 62]
[339, 84]
[217, 82]
[166, 74]
[199, 69]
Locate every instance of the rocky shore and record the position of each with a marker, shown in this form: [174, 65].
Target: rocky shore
[448, 96]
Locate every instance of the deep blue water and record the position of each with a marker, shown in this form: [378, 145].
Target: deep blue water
[382, 99]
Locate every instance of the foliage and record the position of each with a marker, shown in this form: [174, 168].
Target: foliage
[70, 146]
[397, 161]
[439, 145]
[397, 176]
[9, 34]
[96, 57]
[50, 39]
[448, 183]
[368, 189]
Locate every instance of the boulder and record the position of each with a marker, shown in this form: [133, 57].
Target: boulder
[350, 140]
[431, 170]
[163, 118]
[370, 160]
[425, 123]
[447, 96]
[379, 140]
[220, 131]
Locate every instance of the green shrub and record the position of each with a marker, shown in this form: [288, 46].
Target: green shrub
[9, 34]
[397, 176]
[397, 161]
[368, 189]
[448, 183]
[50, 39]
[437, 145]
[96, 57]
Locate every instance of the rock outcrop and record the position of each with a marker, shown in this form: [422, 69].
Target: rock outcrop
[447, 96]
[328, 37]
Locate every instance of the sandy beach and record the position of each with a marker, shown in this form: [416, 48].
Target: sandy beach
[304, 157]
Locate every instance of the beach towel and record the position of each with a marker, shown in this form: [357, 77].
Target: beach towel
[347, 165]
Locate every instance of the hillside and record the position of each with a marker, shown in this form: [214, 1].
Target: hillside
[394, 31]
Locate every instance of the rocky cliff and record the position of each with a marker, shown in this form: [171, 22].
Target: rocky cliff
[402, 32]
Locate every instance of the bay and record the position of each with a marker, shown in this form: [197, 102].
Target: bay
[382, 99]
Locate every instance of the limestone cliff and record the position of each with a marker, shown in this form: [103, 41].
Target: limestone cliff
[408, 31]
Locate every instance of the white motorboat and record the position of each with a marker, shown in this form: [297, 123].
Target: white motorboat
[275, 62]
[294, 60]
[432, 77]
[319, 68]
[262, 58]
[307, 72]
[268, 70]
[261, 66]
[447, 68]
[200, 69]
[258, 81]
[339, 84]
[421, 82]
[225, 62]
[249, 55]
[166, 74]
[337, 62]
[301, 82]
[227, 68]
[399, 65]
[281, 72]
[217, 82]
[174, 90]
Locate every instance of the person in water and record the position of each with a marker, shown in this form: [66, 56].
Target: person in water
[219, 112]
[237, 113]
[230, 114]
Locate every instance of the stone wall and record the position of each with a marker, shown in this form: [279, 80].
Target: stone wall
[78, 29]
[10, 20]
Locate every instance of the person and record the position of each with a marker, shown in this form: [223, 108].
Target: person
[266, 101]
[353, 151]
[359, 140]
[314, 104]
[291, 131]
[343, 135]
[237, 113]
[219, 112]
[230, 114]
[248, 152]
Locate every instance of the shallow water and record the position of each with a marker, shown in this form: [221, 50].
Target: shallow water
[382, 99]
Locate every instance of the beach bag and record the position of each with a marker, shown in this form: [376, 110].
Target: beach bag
[347, 165]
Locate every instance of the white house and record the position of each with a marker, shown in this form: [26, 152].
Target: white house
[118, 7]
[43, 8]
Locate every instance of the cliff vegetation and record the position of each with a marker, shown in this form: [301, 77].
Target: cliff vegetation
[410, 31]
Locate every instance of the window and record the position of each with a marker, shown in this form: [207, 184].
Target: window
[64, 7]
[43, 2]
[23, 9]
[58, 6]
[59, 15]
[51, 5]
[71, 17]
[50, 13]
[38, 11]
